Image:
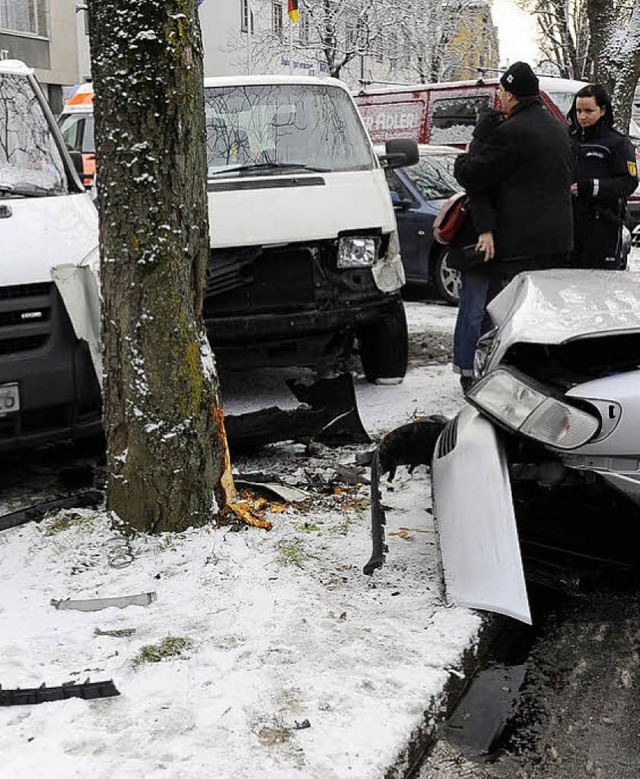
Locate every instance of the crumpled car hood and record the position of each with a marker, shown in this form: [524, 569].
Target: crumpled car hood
[556, 306]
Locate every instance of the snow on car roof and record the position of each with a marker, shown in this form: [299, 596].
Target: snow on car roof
[14, 66]
[232, 81]
[547, 84]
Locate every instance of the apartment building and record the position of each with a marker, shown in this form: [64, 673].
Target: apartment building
[374, 51]
[50, 36]
[249, 36]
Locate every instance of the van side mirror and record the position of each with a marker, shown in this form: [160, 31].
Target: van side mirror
[401, 152]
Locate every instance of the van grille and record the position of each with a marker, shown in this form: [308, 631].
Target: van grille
[25, 290]
[295, 277]
[26, 317]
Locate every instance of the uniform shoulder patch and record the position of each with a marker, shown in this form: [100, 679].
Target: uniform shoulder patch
[632, 167]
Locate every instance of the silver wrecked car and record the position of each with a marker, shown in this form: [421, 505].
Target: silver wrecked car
[557, 399]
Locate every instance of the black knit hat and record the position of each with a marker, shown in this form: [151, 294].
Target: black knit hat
[520, 80]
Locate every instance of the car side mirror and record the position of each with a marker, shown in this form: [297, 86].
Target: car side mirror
[400, 202]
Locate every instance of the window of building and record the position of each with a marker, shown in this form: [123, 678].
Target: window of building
[378, 49]
[244, 16]
[303, 25]
[25, 16]
[276, 15]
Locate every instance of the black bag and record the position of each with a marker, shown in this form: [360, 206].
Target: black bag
[465, 258]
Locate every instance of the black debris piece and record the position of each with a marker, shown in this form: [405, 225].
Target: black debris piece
[328, 413]
[80, 500]
[412, 444]
[43, 694]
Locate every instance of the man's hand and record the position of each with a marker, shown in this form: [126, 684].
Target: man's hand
[574, 190]
[485, 244]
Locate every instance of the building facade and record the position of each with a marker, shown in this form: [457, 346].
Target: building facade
[48, 35]
[257, 36]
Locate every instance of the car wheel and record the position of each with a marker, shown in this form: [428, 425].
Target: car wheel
[446, 280]
[384, 346]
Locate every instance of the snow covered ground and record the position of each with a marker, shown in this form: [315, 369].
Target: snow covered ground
[265, 654]
[281, 659]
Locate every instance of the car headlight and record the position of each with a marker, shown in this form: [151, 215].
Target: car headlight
[521, 407]
[357, 252]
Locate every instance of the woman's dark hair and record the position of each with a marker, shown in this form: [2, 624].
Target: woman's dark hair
[602, 99]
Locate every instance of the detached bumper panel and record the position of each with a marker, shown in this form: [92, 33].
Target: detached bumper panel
[475, 521]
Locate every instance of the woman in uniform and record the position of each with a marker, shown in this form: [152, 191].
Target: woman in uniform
[604, 175]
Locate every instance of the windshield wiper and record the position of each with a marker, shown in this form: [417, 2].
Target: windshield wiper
[24, 189]
[265, 166]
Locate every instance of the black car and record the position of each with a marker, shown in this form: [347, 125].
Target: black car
[418, 192]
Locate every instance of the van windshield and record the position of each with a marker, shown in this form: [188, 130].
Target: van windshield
[30, 161]
[265, 128]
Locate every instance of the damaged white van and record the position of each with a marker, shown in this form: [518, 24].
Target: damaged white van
[48, 225]
[305, 259]
[304, 247]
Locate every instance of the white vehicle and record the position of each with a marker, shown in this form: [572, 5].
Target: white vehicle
[48, 230]
[76, 126]
[556, 406]
[304, 246]
[547, 440]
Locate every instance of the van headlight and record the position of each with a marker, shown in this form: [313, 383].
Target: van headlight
[357, 251]
[518, 405]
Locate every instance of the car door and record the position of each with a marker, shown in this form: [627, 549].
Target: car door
[407, 205]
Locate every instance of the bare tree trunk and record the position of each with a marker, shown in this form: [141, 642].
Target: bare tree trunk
[165, 442]
[615, 38]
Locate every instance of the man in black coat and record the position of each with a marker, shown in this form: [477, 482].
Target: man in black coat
[526, 167]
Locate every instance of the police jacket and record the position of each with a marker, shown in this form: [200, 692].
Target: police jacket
[604, 168]
[525, 164]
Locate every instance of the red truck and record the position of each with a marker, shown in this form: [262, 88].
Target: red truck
[445, 113]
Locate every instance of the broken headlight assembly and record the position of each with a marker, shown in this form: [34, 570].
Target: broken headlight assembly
[483, 352]
[357, 251]
[513, 402]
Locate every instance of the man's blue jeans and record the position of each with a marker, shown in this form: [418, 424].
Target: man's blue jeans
[470, 324]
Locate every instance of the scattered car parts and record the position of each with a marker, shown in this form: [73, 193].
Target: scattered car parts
[36, 513]
[97, 604]
[43, 694]
[411, 444]
[329, 414]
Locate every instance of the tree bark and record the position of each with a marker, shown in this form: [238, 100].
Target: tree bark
[165, 439]
[615, 36]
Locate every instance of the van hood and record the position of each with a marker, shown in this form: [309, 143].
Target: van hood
[557, 306]
[37, 234]
[293, 208]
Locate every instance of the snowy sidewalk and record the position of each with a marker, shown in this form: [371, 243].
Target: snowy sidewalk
[281, 659]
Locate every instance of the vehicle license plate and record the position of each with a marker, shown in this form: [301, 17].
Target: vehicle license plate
[9, 398]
